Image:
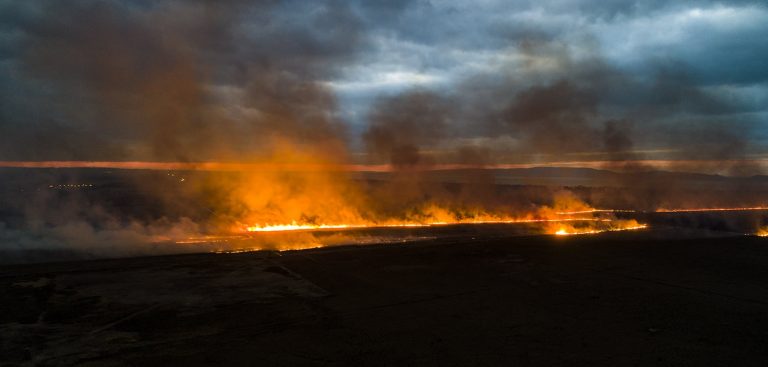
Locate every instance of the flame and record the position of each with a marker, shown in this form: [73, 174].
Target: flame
[314, 227]
[667, 210]
[691, 210]
[593, 211]
[565, 229]
[300, 237]
[566, 215]
[293, 226]
[569, 232]
[296, 202]
[283, 210]
[762, 232]
[557, 226]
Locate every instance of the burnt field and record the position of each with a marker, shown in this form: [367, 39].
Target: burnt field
[661, 296]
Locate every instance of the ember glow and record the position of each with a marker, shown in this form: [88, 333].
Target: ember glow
[337, 212]
[315, 227]
[694, 210]
[558, 217]
[611, 224]
[306, 236]
[762, 232]
[565, 228]
[289, 209]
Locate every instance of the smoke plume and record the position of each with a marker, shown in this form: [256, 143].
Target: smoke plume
[235, 81]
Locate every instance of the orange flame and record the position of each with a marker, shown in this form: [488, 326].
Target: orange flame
[314, 227]
[568, 215]
[692, 210]
[565, 229]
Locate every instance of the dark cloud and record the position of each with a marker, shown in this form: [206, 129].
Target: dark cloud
[173, 80]
[401, 125]
[200, 80]
[563, 108]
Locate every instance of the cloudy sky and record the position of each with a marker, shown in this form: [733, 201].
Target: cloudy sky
[401, 82]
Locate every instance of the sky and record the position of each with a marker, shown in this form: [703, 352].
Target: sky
[405, 82]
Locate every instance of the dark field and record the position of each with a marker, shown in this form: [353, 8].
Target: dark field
[657, 297]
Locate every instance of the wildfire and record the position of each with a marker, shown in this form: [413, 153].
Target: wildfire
[297, 236]
[666, 210]
[566, 232]
[298, 227]
[565, 228]
[315, 227]
[762, 232]
[743, 209]
[567, 215]
[558, 226]
[592, 211]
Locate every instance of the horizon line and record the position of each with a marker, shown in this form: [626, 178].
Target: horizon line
[691, 166]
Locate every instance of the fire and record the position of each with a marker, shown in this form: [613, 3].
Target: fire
[565, 229]
[296, 236]
[293, 226]
[762, 232]
[296, 203]
[592, 211]
[557, 226]
[286, 210]
[692, 210]
[315, 227]
[567, 214]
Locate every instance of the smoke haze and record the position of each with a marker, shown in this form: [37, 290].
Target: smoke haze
[409, 85]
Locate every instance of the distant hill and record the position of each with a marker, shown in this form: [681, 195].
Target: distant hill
[567, 176]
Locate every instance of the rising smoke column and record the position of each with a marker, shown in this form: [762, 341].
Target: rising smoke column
[187, 81]
[184, 81]
[549, 105]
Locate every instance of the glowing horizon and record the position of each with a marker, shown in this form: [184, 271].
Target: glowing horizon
[682, 166]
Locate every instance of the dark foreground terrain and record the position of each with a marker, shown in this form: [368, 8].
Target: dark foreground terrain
[617, 299]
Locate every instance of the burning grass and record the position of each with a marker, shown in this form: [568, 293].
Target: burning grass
[566, 228]
[306, 237]
[762, 232]
[551, 226]
[695, 210]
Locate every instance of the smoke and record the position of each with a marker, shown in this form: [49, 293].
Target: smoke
[174, 81]
[560, 102]
[184, 81]
[230, 80]
[400, 126]
[198, 81]
[49, 223]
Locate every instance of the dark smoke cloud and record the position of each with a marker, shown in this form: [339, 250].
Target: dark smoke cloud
[578, 109]
[199, 80]
[400, 126]
[563, 108]
[169, 81]
[173, 80]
